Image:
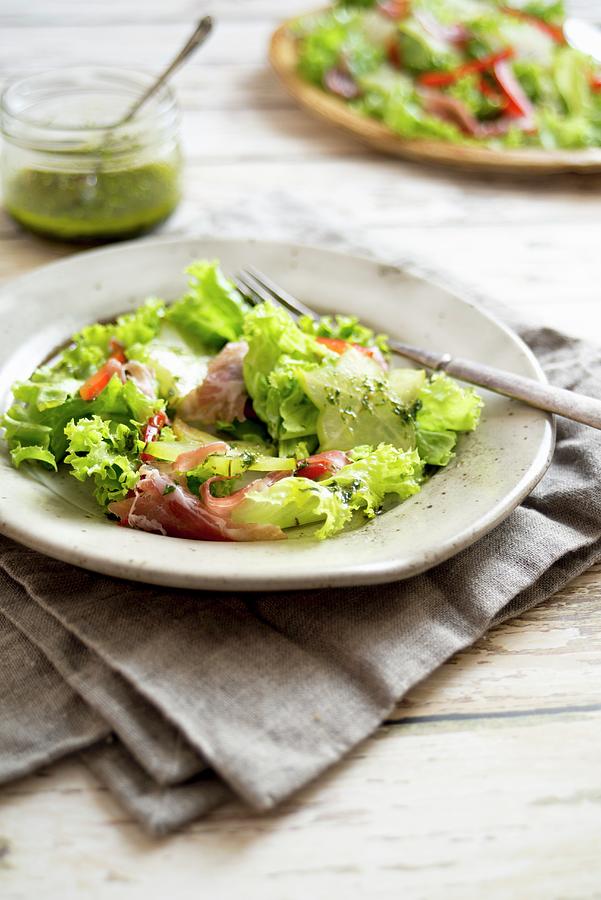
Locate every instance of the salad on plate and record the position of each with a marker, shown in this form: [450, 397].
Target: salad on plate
[493, 72]
[214, 419]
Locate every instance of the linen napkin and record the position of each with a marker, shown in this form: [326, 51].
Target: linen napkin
[184, 699]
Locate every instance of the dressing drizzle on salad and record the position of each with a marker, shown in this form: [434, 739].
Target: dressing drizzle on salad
[208, 419]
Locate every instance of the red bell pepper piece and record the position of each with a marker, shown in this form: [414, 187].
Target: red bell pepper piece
[340, 346]
[316, 467]
[152, 431]
[97, 382]
[393, 51]
[443, 79]
[554, 31]
[518, 104]
[117, 350]
[596, 83]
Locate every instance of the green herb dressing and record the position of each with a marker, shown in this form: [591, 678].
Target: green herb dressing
[102, 205]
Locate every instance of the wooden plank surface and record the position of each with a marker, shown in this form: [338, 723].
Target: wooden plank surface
[486, 782]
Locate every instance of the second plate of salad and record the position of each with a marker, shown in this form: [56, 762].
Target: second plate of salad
[164, 427]
[471, 83]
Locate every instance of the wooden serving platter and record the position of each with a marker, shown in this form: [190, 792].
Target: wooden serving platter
[283, 55]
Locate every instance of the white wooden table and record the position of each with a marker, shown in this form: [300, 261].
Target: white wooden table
[488, 783]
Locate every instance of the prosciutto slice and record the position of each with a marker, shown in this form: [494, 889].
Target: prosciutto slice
[192, 458]
[451, 110]
[142, 376]
[222, 395]
[454, 111]
[161, 506]
[224, 506]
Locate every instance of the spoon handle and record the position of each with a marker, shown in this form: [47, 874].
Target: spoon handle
[196, 39]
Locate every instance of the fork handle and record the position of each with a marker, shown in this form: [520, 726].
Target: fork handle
[569, 404]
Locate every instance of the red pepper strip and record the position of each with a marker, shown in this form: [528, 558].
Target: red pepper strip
[554, 31]
[328, 463]
[393, 51]
[340, 346]
[117, 350]
[97, 382]
[152, 430]
[596, 83]
[518, 104]
[442, 79]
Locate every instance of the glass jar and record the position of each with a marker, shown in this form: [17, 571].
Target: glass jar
[67, 175]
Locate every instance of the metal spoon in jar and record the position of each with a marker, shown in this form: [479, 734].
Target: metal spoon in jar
[196, 40]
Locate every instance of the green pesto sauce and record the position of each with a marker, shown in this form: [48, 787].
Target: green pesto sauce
[106, 205]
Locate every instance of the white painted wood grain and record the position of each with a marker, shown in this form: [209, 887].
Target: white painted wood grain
[491, 786]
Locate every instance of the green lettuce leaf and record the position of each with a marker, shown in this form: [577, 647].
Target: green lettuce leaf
[107, 452]
[90, 347]
[176, 363]
[332, 37]
[547, 10]
[356, 405]
[444, 409]
[20, 455]
[361, 487]
[446, 406]
[345, 328]
[278, 353]
[296, 501]
[28, 424]
[422, 52]
[572, 73]
[436, 448]
[407, 118]
[212, 312]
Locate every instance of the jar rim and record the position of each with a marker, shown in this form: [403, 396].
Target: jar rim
[119, 80]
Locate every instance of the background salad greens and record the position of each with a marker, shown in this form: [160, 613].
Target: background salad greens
[356, 36]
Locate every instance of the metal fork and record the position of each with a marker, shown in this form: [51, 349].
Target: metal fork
[258, 288]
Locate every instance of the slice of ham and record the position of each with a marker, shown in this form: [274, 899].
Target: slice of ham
[222, 395]
[142, 376]
[454, 111]
[451, 110]
[224, 506]
[340, 82]
[161, 506]
[187, 461]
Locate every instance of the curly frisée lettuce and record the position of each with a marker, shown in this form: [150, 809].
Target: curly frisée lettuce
[37, 422]
[322, 433]
[358, 487]
[106, 452]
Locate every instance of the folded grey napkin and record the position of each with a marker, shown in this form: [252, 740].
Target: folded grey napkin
[180, 700]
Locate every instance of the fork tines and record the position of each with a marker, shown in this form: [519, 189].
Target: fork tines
[259, 288]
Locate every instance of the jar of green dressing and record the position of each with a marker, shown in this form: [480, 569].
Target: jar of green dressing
[67, 175]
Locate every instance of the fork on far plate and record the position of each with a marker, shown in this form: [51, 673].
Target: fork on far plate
[258, 288]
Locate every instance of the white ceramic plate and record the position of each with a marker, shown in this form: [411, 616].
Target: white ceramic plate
[494, 469]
